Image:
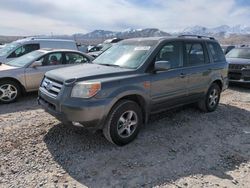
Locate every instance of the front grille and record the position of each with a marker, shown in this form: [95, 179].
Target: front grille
[234, 76]
[51, 87]
[236, 66]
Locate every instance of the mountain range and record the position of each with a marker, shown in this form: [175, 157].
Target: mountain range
[223, 31]
[128, 33]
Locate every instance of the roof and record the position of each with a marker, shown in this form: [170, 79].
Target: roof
[43, 39]
[181, 37]
[48, 50]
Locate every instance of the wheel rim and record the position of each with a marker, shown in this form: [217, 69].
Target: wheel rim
[127, 124]
[8, 92]
[213, 98]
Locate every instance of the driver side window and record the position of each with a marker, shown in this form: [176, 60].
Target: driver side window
[51, 59]
[171, 52]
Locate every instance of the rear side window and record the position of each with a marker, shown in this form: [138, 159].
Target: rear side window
[194, 54]
[216, 52]
[27, 48]
[74, 58]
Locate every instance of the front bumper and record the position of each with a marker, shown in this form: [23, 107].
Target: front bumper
[239, 76]
[90, 113]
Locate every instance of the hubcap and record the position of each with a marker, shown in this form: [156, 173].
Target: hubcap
[8, 92]
[127, 124]
[213, 98]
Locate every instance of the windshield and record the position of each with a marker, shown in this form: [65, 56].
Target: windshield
[106, 46]
[243, 53]
[8, 48]
[124, 55]
[25, 59]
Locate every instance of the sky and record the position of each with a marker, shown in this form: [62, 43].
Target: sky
[34, 17]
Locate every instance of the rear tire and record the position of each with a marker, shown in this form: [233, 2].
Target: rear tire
[123, 123]
[10, 91]
[211, 100]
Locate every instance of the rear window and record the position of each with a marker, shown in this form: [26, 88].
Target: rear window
[216, 52]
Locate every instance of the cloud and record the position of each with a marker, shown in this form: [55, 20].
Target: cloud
[74, 16]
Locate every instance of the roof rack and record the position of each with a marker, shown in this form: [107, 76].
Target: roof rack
[198, 36]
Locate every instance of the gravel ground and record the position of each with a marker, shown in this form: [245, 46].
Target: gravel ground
[181, 148]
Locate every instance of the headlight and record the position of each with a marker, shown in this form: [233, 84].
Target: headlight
[85, 89]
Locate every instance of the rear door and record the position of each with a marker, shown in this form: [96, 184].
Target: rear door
[168, 88]
[197, 64]
[34, 76]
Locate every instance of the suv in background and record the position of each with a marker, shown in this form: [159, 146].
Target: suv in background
[103, 47]
[133, 79]
[23, 46]
[239, 65]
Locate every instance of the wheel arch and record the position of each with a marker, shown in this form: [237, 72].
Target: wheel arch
[218, 82]
[137, 98]
[16, 81]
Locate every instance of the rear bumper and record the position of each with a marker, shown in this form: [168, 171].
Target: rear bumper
[89, 113]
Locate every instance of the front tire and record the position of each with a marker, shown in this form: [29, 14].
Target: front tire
[124, 123]
[211, 100]
[9, 91]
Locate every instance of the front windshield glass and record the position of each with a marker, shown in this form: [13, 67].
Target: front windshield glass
[126, 55]
[25, 59]
[106, 46]
[243, 53]
[8, 48]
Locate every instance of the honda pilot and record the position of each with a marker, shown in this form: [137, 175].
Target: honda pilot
[133, 79]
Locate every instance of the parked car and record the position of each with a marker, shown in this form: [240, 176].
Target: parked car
[239, 65]
[103, 47]
[133, 79]
[227, 48]
[82, 48]
[24, 74]
[2, 45]
[23, 46]
[96, 48]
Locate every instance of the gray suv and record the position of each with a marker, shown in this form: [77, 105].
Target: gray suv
[133, 79]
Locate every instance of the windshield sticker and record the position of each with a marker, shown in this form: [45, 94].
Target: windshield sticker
[142, 48]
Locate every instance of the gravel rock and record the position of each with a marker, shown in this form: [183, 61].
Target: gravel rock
[178, 148]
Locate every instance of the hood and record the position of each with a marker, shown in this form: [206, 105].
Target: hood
[238, 61]
[86, 71]
[4, 67]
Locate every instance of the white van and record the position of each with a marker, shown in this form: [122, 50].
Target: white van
[24, 46]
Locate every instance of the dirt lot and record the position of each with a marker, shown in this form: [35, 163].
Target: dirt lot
[181, 148]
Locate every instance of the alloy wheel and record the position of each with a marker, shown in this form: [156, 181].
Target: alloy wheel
[8, 92]
[127, 124]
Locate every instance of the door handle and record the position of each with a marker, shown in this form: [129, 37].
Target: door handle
[182, 75]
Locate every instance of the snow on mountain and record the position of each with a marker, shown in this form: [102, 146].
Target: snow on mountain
[220, 30]
[128, 33]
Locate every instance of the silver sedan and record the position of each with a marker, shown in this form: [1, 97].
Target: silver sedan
[24, 74]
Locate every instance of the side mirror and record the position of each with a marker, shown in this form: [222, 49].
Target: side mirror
[36, 64]
[162, 65]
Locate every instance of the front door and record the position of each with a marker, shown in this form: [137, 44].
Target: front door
[169, 88]
[34, 76]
